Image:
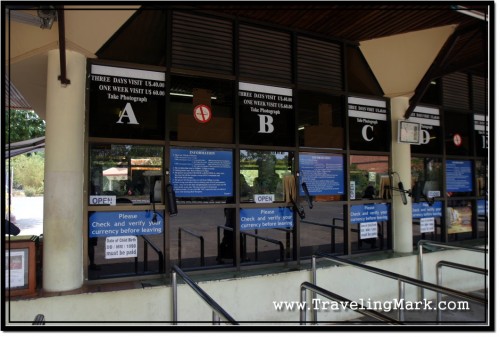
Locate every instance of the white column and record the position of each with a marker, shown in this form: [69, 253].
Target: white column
[64, 169]
[401, 163]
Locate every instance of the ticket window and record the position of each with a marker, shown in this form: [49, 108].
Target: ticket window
[126, 217]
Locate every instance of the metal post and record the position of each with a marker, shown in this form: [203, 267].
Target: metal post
[401, 296]
[439, 295]
[174, 298]
[303, 312]
[421, 269]
[215, 318]
[315, 295]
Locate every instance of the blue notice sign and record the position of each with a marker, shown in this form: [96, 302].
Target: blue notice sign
[369, 213]
[126, 223]
[482, 207]
[459, 176]
[322, 173]
[263, 218]
[424, 210]
[201, 172]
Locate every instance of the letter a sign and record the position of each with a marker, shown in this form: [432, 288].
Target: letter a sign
[128, 112]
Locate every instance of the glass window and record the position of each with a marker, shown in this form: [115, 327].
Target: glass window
[198, 238]
[459, 219]
[125, 174]
[267, 173]
[368, 177]
[201, 110]
[320, 120]
[322, 229]
[481, 174]
[427, 177]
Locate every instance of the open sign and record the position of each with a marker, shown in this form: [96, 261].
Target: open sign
[103, 200]
[263, 198]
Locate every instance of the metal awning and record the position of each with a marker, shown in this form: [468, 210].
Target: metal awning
[25, 146]
[13, 98]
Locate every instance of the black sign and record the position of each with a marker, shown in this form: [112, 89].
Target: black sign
[368, 126]
[266, 115]
[481, 134]
[430, 130]
[126, 103]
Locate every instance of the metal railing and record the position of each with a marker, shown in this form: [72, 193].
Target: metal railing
[425, 243]
[334, 226]
[202, 245]
[337, 298]
[217, 310]
[402, 280]
[439, 274]
[257, 237]
[147, 243]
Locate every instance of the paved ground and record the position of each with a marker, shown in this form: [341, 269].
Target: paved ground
[29, 214]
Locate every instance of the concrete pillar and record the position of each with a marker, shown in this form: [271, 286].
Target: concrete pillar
[64, 169]
[401, 164]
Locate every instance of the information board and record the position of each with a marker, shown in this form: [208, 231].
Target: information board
[482, 207]
[264, 218]
[126, 223]
[369, 213]
[459, 176]
[201, 172]
[323, 174]
[424, 210]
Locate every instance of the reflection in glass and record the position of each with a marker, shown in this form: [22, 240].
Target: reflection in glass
[368, 176]
[264, 172]
[131, 173]
[427, 177]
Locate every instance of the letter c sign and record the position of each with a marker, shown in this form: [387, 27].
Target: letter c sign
[364, 132]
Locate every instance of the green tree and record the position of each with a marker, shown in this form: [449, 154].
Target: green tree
[23, 125]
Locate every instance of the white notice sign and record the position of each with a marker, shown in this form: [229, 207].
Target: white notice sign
[426, 225]
[118, 247]
[367, 230]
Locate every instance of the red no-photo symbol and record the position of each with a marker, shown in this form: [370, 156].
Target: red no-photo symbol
[457, 139]
[202, 113]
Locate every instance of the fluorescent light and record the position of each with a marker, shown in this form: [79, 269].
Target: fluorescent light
[469, 12]
[186, 95]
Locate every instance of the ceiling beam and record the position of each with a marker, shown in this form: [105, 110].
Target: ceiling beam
[444, 56]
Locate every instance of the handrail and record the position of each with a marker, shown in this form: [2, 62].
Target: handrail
[335, 297]
[402, 280]
[422, 243]
[217, 310]
[202, 245]
[263, 238]
[439, 273]
[333, 227]
[157, 250]
[282, 249]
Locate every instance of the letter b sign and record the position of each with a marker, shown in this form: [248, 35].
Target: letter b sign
[265, 124]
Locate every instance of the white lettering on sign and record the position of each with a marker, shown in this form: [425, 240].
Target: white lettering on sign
[364, 132]
[128, 112]
[118, 247]
[266, 124]
[103, 200]
[263, 198]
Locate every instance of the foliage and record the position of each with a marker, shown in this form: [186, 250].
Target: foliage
[23, 125]
[28, 173]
